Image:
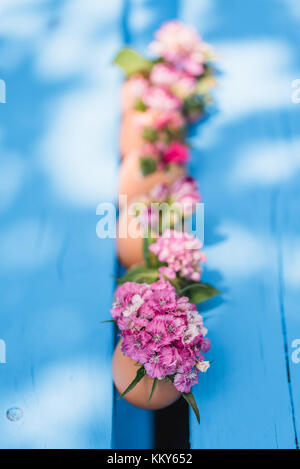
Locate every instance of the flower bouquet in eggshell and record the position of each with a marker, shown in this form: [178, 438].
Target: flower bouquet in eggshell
[163, 340]
[163, 207]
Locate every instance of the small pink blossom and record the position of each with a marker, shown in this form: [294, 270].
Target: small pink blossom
[176, 153]
[185, 192]
[164, 75]
[159, 193]
[180, 45]
[154, 322]
[172, 119]
[158, 119]
[162, 363]
[203, 366]
[184, 382]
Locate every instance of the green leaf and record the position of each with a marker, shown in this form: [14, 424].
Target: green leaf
[155, 382]
[132, 62]
[140, 106]
[108, 320]
[199, 292]
[150, 134]
[139, 375]
[189, 397]
[140, 274]
[147, 165]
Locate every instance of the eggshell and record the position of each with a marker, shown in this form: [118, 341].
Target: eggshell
[124, 372]
[130, 239]
[131, 135]
[133, 183]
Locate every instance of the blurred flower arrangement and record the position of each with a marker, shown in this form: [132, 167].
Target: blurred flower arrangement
[167, 206]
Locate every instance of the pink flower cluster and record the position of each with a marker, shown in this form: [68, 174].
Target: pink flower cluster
[167, 97]
[181, 46]
[182, 254]
[161, 331]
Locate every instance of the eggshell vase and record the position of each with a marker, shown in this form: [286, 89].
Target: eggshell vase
[124, 372]
[133, 183]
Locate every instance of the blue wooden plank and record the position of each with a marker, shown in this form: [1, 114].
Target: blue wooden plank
[58, 162]
[245, 161]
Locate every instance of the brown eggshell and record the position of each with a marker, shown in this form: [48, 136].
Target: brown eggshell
[127, 97]
[131, 134]
[124, 372]
[133, 183]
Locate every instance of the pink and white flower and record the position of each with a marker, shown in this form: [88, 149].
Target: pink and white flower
[184, 382]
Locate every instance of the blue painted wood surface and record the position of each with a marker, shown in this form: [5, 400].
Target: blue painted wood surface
[59, 157]
[58, 160]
